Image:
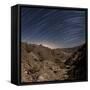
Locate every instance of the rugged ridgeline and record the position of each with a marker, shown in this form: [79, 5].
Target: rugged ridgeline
[40, 63]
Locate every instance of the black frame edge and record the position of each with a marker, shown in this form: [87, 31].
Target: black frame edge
[53, 7]
[14, 45]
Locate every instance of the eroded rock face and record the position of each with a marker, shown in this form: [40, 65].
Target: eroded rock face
[39, 63]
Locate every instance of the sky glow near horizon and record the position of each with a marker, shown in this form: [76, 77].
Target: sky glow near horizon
[53, 28]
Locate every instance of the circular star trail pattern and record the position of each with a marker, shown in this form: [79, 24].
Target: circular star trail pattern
[53, 27]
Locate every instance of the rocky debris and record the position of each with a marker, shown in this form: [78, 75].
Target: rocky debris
[40, 63]
[78, 64]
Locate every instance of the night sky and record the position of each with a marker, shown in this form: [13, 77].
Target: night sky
[54, 28]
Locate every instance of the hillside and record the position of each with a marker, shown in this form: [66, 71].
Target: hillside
[40, 63]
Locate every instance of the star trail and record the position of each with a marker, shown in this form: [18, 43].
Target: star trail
[54, 28]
